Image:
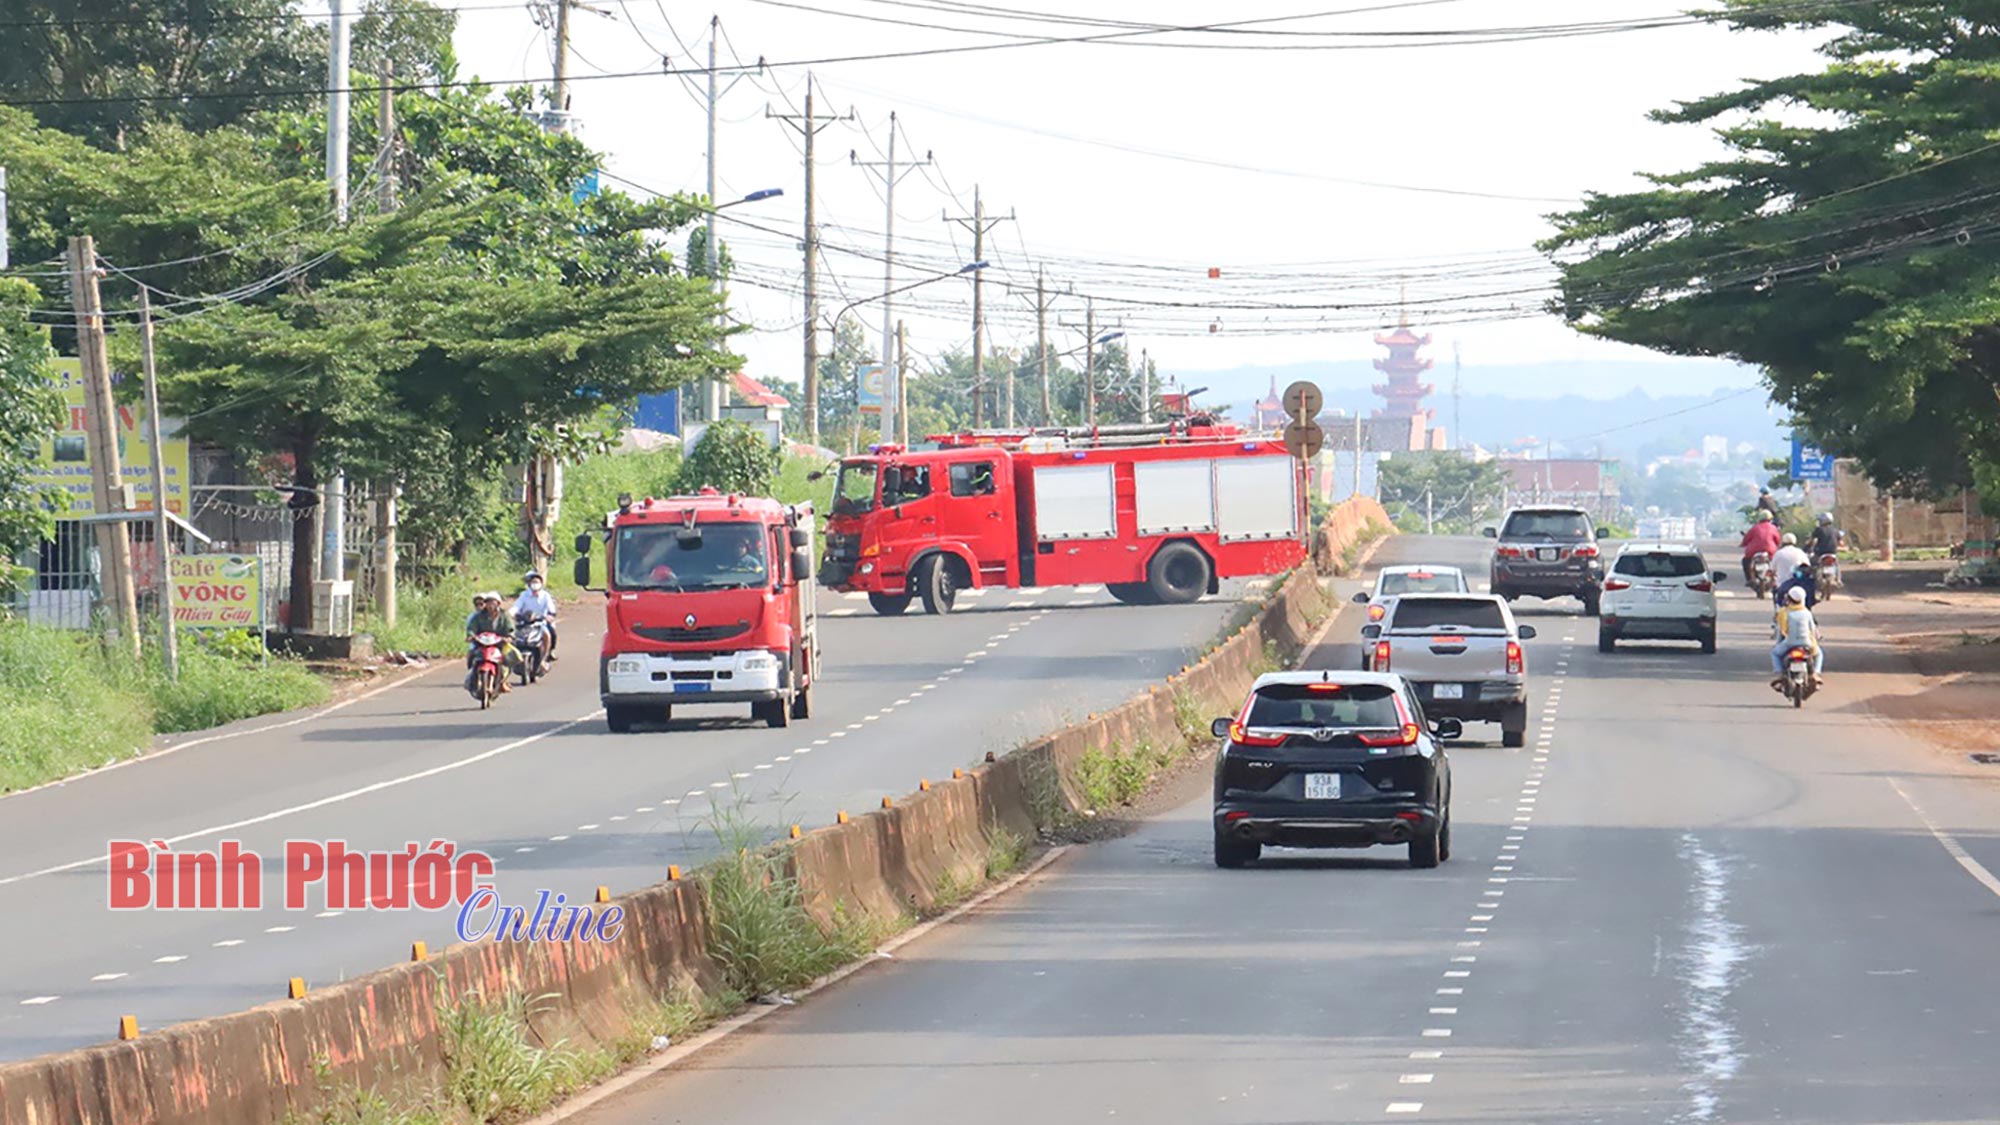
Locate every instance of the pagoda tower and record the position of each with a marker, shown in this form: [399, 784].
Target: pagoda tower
[1403, 393]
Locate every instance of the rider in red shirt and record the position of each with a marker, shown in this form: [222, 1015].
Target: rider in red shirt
[1763, 536]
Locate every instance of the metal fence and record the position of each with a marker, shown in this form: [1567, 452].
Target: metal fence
[65, 588]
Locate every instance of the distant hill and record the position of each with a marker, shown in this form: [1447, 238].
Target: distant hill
[1625, 407]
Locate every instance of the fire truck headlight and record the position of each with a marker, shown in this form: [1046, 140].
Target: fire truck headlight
[759, 661]
[868, 568]
[627, 665]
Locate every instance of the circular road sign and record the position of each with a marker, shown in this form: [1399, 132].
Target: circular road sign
[1304, 442]
[1305, 396]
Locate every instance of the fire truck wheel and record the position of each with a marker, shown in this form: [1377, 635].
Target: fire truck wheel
[1178, 574]
[889, 605]
[774, 712]
[619, 717]
[1131, 593]
[938, 584]
[802, 702]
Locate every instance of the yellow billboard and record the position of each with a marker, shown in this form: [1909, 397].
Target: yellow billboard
[65, 461]
[216, 591]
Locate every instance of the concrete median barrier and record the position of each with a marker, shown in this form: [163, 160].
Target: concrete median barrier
[382, 1031]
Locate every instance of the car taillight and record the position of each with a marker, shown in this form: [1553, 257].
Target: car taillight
[1406, 735]
[1515, 664]
[1377, 613]
[1447, 640]
[1381, 661]
[1584, 552]
[1508, 552]
[1617, 584]
[1702, 584]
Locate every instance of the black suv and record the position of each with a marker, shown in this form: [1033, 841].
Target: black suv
[1332, 760]
[1548, 552]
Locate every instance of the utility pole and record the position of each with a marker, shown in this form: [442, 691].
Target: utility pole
[1089, 361]
[1430, 523]
[902, 385]
[333, 504]
[979, 224]
[1357, 451]
[711, 391]
[3, 216]
[1145, 386]
[890, 176]
[169, 642]
[385, 501]
[809, 126]
[1042, 343]
[107, 477]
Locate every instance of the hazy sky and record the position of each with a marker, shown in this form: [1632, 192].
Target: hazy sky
[1132, 167]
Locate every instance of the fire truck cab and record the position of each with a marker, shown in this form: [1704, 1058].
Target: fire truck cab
[1158, 514]
[708, 599]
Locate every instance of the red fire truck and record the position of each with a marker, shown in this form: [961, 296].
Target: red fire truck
[1157, 513]
[708, 599]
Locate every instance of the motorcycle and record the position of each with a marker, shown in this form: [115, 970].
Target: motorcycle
[1826, 576]
[489, 669]
[531, 639]
[1798, 680]
[1761, 579]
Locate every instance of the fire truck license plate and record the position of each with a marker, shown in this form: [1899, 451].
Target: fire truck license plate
[691, 685]
[1322, 787]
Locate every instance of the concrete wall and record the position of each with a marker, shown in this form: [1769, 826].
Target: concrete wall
[381, 1031]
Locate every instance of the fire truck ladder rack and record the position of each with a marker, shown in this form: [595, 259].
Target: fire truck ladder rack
[1186, 431]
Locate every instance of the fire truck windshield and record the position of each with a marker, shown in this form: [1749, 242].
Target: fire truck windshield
[856, 489]
[714, 556]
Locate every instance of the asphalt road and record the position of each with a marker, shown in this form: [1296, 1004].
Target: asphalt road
[537, 782]
[1684, 902]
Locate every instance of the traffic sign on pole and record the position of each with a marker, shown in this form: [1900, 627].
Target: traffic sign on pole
[1303, 397]
[1304, 440]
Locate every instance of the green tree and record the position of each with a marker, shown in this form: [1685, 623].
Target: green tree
[730, 457]
[104, 70]
[1848, 251]
[1461, 493]
[33, 412]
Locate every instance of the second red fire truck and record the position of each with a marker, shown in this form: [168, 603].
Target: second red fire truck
[1156, 513]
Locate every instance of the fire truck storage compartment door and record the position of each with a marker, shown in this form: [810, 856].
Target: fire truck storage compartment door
[1175, 496]
[1074, 502]
[1256, 497]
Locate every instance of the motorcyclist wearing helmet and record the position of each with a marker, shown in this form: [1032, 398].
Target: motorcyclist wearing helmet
[1825, 537]
[1796, 629]
[1767, 502]
[1789, 558]
[490, 616]
[1801, 578]
[535, 600]
[1761, 538]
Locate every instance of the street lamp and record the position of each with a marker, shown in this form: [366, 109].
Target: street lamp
[889, 373]
[711, 391]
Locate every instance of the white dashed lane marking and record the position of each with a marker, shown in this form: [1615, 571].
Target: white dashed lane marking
[268, 930]
[120, 976]
[33, 1000]
[170, 959]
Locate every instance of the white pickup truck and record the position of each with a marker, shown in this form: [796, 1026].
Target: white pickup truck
[1462, 653]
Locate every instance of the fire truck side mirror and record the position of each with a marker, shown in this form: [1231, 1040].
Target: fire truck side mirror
[582, 572]
[583, 542]
[801, 537]
[802, 563]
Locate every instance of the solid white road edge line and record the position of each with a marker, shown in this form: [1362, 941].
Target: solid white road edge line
[1950, 843]
[334, 799]
[679, 1053]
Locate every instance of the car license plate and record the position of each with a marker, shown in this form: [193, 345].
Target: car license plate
[1322, 787]
[1659, 594]
[691, 685]
[1799, 667]
[1448, 691]
[1548, 554]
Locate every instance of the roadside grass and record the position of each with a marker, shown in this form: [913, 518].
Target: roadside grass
[66, 705]
[759, 928]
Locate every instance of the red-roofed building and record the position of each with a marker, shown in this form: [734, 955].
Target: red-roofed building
[1268, 413]
[1574, 482]
[754, 402]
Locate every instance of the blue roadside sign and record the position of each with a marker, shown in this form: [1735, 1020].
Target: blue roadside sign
[1810, 462]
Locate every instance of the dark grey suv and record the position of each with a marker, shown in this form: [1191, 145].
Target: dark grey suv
[1548, 552]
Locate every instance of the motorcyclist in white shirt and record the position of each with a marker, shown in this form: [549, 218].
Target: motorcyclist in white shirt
[536, 601]
[1789, 557]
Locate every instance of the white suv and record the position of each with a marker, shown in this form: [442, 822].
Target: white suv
[1658, 590]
